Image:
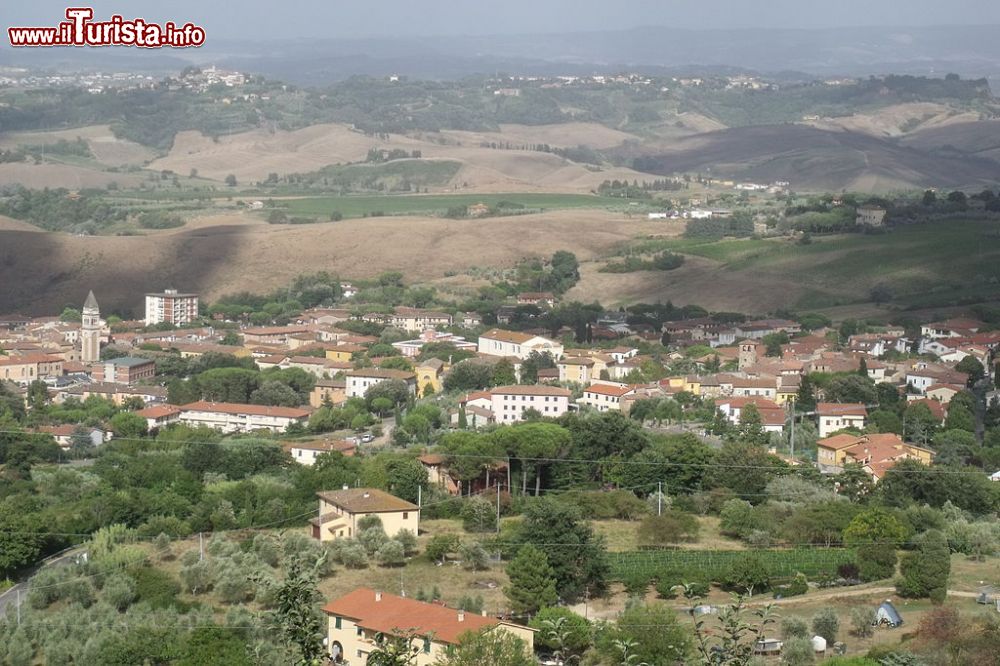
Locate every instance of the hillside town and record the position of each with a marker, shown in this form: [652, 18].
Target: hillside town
[761, 366]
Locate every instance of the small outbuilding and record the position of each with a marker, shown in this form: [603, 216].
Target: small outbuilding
[768, 647]
[819, 644]
[887, 615]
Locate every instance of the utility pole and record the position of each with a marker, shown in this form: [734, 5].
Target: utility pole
[659, 498]
[498, 508]
[420, 496]
[201, 546]
[19, 607]
[791, 440]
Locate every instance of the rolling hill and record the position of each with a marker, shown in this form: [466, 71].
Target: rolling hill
[818, 159]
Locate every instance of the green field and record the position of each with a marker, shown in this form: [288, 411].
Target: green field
[699, 564]
[933, 264]
[434, 204]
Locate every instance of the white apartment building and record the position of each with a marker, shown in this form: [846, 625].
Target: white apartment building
[498, 342]
[510, 402]
[605, 397]
[232, 417]
[171, 307]
[359, 381]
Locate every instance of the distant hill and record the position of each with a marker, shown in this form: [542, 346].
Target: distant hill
[981, 139]
[812, 158]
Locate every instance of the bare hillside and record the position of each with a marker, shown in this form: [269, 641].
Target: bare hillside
[42, 272]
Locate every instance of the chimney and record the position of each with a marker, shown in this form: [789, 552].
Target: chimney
[461, 616]
[378, 596]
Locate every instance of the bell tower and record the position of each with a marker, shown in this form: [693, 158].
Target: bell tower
[748, 354]
[90, 331]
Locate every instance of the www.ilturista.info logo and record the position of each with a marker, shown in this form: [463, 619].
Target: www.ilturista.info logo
[80, 30]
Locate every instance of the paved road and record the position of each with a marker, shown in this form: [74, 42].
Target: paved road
[8, 600]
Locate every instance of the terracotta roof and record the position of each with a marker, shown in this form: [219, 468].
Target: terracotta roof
[838, 442]
[365, 500]
[390, 614]
[607, 389]
[382, 374]
[29, 358]
[255, 410]
[158, 411]
[476, 395]
[432, 459]
[841, 409]
[739, 402]
[531, 390]
[577, 361]
[513, 337]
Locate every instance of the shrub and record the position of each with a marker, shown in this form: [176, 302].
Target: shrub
[876, 562]
[826, 624]
[671, 527]
[798, 586]
[268, 549]
[440, 545]
[197, 578]
[233, 585]
[408, 539]
[372, 539]
[798, 652]
[354, 556]
[746, 573]
[471, 604]
[474, 556]
[155, 587]
[119, 590]
[862, 621]
[390, 554]
[368, 522]
[161, 544]
[636, 583]
[793, 627]
[478, 515]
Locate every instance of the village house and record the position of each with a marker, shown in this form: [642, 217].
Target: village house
[116, 393]
[233, 417]
[510, 402]
[772, 416]
[951, 328]
[411, 319]
[411, 348]
[577, 370]
[762, 387]
[328, 391]
[63, 434]
[605, 397]
[835, 416]
[125, 370]
[498, 342]
[159, 416]
[306, 453]
[924, 375]
[429, 375]
[357, 621]
[29, 367]
[359, 381]
[542, 299]
[870, 216]
[344, 353]
[271, 335]
[876, 453]
[340, 511]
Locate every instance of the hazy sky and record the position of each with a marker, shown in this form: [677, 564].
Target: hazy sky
[359, 18]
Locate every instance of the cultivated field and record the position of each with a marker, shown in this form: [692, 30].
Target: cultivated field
[251, 156]
[40, 176]
[106, 147]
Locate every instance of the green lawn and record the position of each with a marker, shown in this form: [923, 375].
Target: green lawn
[433, 204]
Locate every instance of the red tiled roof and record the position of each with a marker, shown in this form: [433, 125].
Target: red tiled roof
[390, 614]
[235, 408]
[607, 389]
[531, 390]
[158, 411]
[841, 409]
[365, 500]
[513, 337]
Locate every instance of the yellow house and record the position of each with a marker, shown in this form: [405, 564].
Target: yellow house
[429, 374]
[344, 353]
[577, 370]
[358, 621]
[340, 511]
[688, 384]
[873, 449]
